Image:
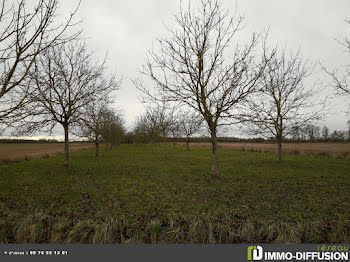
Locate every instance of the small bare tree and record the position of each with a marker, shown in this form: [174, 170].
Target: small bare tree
[199, 66]
[190, 123]
[325, 133]
[112, 129]
[175, 128]
[140, 130]
[67, 79]
[26, 29]
[338, 136]
[106, 120]
[146, 127]
[91, 122]
[284, 102]
[164, 115]
[295, 133]
[118, 131]
[313, 132]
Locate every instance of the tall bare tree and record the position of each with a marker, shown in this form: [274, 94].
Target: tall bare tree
[26, 29]
[200, 65]
[284, 103]
[67, 78]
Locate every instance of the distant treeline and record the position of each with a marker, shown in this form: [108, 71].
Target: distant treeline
[130, 138]
[31, 141]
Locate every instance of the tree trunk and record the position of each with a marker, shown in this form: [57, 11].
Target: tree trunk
[188, 144]
[106, 146]
[66, 145]
[279, 149]
[97, 144]
[174, 144]
[215, 163]
[164, 142]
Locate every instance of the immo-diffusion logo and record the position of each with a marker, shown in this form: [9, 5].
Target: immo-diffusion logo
[255, 253]
[333, 253]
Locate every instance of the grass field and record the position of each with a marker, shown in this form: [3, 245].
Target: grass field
[130, 195]
[20, 152]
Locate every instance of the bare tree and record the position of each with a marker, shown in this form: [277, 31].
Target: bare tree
[146, 128]
[295, 133]
[337, 136]
[190, 124]
[199, 66]
[313, 132]
[67, 78]
[106, 120]
[112, 128]
[341, 82]
[175, 127]
[284, 102]
[118, 131]
[140, 130]
[26, 29]
[91, 122]
[164, 115]
[325, 133]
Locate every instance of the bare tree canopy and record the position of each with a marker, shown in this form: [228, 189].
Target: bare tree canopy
[283, 102]
[26, 29]
[341, 83]
[200, 65]
[67, 79]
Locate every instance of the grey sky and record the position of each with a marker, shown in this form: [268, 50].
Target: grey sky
[127, 29]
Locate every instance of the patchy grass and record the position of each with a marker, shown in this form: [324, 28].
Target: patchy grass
[131, 195]
[325, 149]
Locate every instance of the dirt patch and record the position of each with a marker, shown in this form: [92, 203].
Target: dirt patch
[21, 152]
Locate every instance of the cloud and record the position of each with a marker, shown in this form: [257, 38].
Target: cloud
[127, 29]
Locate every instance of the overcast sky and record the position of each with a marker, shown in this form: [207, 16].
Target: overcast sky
[127, 29]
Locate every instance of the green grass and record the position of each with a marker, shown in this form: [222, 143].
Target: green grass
[131, 195]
